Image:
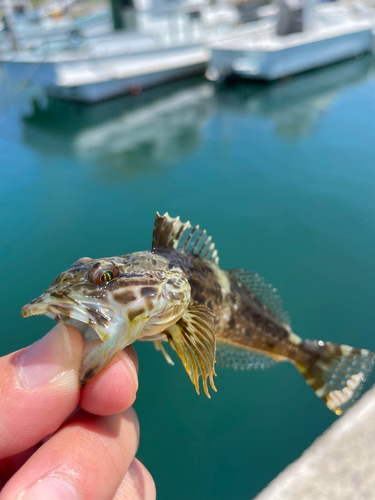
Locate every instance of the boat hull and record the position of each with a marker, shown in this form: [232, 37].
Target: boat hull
[96, 92]
[289, 60]
[96, 79]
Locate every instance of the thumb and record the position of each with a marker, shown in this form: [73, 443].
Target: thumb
[39, 388]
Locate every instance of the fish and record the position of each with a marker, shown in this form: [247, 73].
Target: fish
[176, 294]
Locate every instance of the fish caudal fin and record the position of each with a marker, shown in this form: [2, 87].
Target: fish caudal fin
[337, 373]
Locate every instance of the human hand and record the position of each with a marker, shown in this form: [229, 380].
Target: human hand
[50, 449]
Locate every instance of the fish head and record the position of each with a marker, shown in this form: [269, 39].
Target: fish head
[127, 297]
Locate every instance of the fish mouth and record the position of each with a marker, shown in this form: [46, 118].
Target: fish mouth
[89, 317]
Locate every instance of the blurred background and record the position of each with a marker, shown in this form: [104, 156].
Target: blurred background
[250, 118]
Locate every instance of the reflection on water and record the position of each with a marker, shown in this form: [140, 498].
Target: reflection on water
[130, 134]
[295, 104]
[125, 135]
[16, 101]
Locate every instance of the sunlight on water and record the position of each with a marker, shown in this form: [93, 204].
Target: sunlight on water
[282, 176]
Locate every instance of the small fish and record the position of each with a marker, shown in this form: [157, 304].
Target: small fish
[177, 293]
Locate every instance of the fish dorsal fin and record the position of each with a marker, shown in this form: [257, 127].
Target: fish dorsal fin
[193, 338]
[263, 291]
[240, 358]
[172, 233]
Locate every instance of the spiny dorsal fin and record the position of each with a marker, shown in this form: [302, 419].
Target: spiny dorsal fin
[193, 338]
[172, 233]
[263, 291]
[168, 231]
[239, 358]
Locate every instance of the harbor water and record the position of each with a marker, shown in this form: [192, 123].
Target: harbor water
[283, 178]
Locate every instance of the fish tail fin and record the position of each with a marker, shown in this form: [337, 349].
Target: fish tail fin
[336, 372]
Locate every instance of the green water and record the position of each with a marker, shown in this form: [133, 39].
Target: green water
[282, 176]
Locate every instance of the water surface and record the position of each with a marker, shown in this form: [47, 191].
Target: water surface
[283, 178]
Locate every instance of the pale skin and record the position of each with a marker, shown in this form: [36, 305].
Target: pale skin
[61, 442]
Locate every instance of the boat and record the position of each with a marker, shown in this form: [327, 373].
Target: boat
[156, 47]
[97, 68]
[273, 49]
[32, 27]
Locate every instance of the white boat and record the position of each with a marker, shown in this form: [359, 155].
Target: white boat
[256, 51]
[32, 27]
[97, 68]
[168, 45]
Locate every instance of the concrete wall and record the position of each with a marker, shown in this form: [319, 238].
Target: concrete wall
[340, 465]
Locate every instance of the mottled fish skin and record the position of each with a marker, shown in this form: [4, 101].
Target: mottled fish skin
[240, 319]
[176, 292]
[335, 372]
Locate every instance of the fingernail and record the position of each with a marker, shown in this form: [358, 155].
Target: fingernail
[130, 365]
[51, 488]
[47, 358]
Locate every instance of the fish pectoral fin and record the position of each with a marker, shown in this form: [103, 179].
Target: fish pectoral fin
[158, 344]
[193, 338]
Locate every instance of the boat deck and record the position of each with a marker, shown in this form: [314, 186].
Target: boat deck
[264, 38]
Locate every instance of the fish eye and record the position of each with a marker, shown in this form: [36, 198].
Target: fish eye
[106, 276]
[103, 273]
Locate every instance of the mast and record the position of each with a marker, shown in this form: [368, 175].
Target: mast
[123, 15]
[116, 15]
